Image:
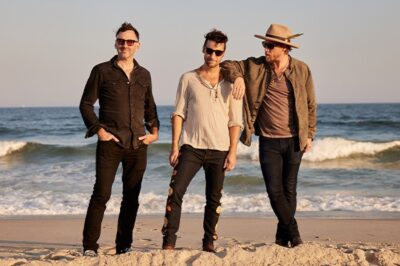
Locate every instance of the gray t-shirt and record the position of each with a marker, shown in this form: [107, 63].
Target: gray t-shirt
[276, 118]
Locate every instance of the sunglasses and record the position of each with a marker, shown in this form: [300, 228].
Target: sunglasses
[209, 51]
[269, 45]
[121, 42]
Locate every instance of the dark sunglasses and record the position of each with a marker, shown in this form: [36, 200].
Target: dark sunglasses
[209, 51]
[128, 42]
[269, 45]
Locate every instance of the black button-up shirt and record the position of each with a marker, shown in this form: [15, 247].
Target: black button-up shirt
[126, 107]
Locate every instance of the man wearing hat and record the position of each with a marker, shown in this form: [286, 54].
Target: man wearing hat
[280, 108]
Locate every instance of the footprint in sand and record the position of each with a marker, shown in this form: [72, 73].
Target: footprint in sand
[231, 240]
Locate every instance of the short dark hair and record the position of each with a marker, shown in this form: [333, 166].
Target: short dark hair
[125, 27]
[216, 36]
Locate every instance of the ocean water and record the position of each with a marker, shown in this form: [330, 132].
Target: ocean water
[353, 170]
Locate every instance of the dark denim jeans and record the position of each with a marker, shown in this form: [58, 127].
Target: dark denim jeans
[108, 157]
[190, 162]
[280, 160]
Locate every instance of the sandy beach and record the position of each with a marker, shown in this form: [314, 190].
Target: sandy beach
[244, 240]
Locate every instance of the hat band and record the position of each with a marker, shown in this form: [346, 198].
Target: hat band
[277, 37]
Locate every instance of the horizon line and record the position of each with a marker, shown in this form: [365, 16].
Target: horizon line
[61, 106]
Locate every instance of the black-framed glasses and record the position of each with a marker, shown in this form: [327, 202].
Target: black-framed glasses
[209, 51]
[269, 45]
[121, 42]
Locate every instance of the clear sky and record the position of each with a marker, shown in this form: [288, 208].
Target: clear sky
[49, 47]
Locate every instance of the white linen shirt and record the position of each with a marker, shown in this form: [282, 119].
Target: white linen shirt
[207, 111]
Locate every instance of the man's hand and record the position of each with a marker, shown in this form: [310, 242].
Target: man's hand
[149, 138]
[238, 88]
[230, 161]
[173, 156]
[103, 135]
[308, 145]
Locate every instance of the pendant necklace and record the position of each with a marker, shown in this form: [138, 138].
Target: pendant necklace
[208, 86]
[277, 76]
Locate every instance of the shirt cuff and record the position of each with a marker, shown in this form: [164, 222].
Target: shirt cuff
[153, 123]
[234, 123]
[179, 114]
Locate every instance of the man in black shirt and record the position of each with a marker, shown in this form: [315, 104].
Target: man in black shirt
[123, 89]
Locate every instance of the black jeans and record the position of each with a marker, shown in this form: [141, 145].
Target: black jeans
[108, 157]
[280, 160]
[190, 162]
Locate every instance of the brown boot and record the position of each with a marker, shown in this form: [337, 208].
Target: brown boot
[168, 247]
[208, 247]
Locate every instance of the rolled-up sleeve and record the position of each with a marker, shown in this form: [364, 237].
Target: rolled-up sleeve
[235, 113]
[181, 99]
[232, 69]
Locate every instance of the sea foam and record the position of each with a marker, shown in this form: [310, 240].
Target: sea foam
[329, 149]
[334, 148]
[150, 203]
[8, 147]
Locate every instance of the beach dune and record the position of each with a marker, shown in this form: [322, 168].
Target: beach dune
[244, 240]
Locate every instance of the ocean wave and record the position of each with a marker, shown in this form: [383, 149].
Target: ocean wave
[150, 203]
[40, 151]
[334, 148]
[370, 124]
[330, 149]
[8, 147]
[324, 149]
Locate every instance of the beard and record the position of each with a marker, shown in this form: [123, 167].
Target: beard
[212, 63]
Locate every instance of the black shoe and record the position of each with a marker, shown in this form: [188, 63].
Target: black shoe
[282, 242]
[281, 236]
[294, 234]
[123, 250]
[296, 241]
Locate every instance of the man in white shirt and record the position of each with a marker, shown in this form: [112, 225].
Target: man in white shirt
[206, 123]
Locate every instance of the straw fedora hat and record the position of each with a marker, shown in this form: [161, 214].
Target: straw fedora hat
[280, 34]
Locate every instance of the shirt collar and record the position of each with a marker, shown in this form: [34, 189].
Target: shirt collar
[114, 62]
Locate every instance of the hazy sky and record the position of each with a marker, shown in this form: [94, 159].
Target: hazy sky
[49, 47]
